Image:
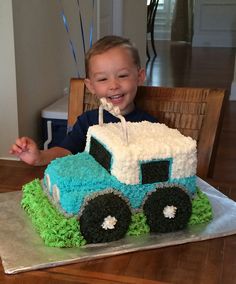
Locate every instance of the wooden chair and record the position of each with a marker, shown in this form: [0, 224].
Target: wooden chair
[195, 112]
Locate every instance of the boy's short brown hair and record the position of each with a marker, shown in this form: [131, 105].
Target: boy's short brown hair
[108, 42]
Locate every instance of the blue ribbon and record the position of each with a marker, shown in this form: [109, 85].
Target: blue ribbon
[70, 41]
[81, 26]
[91, 29]
[82, 31]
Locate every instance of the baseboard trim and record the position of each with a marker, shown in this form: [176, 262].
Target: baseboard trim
[232, 96]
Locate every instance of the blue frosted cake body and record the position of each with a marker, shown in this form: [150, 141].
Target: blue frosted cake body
[79, 176]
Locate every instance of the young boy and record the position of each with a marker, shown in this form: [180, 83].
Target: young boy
[113, 71]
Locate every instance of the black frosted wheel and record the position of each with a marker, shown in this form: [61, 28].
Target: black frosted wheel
[105, 218]
[167, 209]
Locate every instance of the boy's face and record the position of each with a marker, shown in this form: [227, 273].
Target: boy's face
[114, 75]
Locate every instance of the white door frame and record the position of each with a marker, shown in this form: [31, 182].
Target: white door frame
[116, 17]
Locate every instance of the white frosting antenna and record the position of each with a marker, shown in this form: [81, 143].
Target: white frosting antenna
[114, 110]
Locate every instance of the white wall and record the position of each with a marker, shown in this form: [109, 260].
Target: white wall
[43, 57]
[233, 86]
[135, 24]
[104, 18]
[8, 96]
[215, 23]
[44, 61]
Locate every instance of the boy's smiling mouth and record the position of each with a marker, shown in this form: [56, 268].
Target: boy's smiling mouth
[116, 97]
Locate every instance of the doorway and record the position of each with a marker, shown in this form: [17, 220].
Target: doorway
[163, 20]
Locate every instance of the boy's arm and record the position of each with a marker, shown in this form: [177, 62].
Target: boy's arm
[46, 156]
[27, 150]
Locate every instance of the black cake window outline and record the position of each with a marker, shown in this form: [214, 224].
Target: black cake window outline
[155, 171]
[100, 154]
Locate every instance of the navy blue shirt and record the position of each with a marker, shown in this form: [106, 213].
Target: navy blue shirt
[76, 139]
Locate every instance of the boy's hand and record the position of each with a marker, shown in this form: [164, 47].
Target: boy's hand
[26, 149]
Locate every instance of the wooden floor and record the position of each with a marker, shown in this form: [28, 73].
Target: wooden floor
[180, 65]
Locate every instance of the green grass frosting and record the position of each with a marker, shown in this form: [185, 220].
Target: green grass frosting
[201, 209]
[54, 228]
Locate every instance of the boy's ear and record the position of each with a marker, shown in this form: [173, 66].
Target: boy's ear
[141, 76]
[89, 85]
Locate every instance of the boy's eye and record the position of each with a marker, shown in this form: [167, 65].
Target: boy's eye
[123, 75]
[101, 79]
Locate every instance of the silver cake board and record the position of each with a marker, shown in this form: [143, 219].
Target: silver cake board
[22, 249]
